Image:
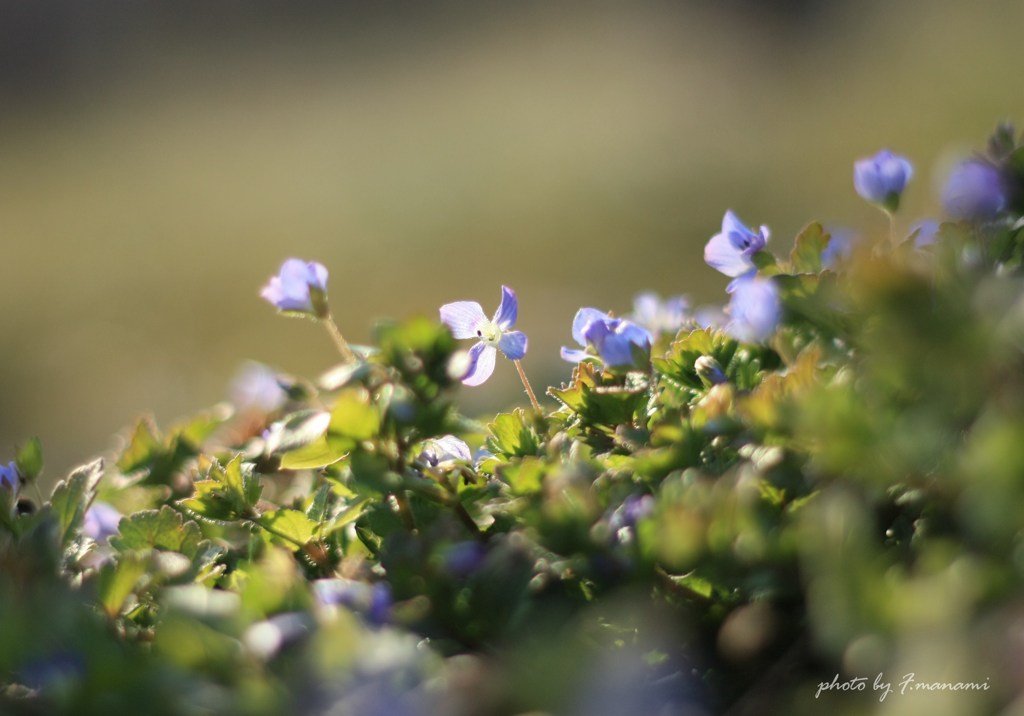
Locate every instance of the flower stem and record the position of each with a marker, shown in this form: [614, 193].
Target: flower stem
[339, 340]
[892, 229]
[526, 384]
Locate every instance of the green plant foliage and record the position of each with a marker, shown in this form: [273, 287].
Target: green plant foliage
[727, 527]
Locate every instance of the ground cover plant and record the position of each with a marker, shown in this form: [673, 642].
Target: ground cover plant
[809, 499]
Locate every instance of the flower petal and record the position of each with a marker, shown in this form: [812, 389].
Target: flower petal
[513, 344]
[583, 317]
[732, 224]
[464, 318]
[574, 355]
[481, 364]
[721, 254]
[317, 275]
[755, 310]
[508, 309]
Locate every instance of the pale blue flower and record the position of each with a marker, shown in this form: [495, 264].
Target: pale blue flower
[101, 521]
[925, 233]
[373, 601]
[974, 191]
[466, 319]
[731, 250]
[881, 179]
[10, 478]
[841, 244]
[444, 451]
[658, 316]
[256, 386]
[299, 287]
[617, 342]
[754, 310]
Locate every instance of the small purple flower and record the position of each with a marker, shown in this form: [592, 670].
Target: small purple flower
[466, 319]
[841, 244]
[616, 341]
[633, 509]
[463, 558]
[974, 191]
[925, 232]
[754, 308]
[10, 478]
[101, 522]
[659, 316]
[256, 386]
[711, 317]
[880, 179]
[373, 601]
[444, 451]
[300, 287]
[710, 370]
[731, 250]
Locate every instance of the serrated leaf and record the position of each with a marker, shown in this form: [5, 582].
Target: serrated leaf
[679, 363]
[288, 524]
[72, 497]
[354, 416]
[806, 254]
[30, 459]
[163, 529]
[600, 404]
[143, 446]
[117, 580]
[209, 502]
[242, 483]
[510, 434]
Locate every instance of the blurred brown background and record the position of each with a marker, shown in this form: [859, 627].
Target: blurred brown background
[158, 160]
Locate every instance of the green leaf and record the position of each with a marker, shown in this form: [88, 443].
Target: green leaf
[30, 459]
[317, 510]
[290, 525]
[163, 529]
[72, 497]
[242, 483]
[600, 402]
[806, 254]
[372, 472]
[320, 453]
[678, 365]
[353, 511]
[117, 580]
[766, 263]
[208, 502]
[143, 446]
[525, 477]
[354, 416]
[510, 434]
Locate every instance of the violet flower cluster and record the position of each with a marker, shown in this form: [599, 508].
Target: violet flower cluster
[975, 190]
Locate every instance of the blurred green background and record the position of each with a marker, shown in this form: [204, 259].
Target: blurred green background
[160, 159]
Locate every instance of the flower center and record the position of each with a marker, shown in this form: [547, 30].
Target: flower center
[489, 333]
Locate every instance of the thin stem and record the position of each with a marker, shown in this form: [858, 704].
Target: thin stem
[526, 384]
[892, 229]
[339, 340]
